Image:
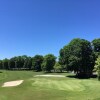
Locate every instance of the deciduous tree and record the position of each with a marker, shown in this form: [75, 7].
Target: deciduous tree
[97, 67]
[77, 56]
[36, 62]
[48, 62]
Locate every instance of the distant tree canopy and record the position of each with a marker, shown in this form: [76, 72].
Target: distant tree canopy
[48, 62]
[19, 62]
[58, 67]
[5, 64]
[36, 62]
[77, 56]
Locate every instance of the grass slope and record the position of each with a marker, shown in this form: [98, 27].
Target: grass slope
[48, 88]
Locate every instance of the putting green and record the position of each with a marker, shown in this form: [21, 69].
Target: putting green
[58, 84]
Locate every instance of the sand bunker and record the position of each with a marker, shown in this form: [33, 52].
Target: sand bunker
[12, 83]
[49, 76]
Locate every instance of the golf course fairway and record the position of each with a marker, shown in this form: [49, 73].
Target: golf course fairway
[48, 88]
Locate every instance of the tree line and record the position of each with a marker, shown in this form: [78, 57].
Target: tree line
[79, 56]
[36, 63]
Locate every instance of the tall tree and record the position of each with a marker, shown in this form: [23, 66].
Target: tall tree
[48, 62]
[36, 62]
[29, 62]
[1, 67]
[24, 61]
[12, 63]
[77, 56]
[5, 63]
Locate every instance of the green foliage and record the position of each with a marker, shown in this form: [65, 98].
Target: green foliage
[20, 62]
[5, 63]
[96, 45]
[12, 63]
[58, 67]
[74, 63]
[97, 67]
[36, 62]
[77, 56]
[48, 62]
[27, 63]
[1, 64]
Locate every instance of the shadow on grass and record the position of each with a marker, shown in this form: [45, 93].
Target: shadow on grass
[81, 77]
[0, 72]
[55, 72]
[97, 99]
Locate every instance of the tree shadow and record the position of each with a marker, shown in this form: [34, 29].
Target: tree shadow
[81, 77]
[61, 72]
[94, 76]
[1, 72]
[54, 72]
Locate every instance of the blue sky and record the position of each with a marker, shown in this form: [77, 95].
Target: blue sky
[29, 27]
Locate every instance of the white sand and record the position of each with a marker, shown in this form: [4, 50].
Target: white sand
[12, 83]
[49, 76]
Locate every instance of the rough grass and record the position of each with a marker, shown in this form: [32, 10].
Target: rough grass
[49, 88]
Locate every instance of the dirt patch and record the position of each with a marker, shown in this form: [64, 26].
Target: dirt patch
[49, 76]
[12, 83]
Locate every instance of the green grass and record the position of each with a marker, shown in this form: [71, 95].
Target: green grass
[48, 88]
